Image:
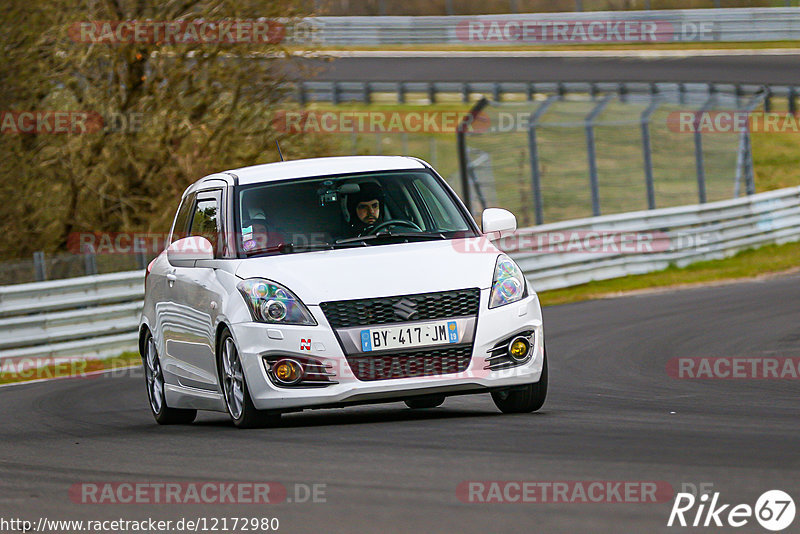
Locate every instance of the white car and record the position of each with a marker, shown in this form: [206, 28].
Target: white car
[331, 282]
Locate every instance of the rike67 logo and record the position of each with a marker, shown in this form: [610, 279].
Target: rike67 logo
[774, 510]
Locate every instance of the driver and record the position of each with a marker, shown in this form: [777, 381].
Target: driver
[364, 208]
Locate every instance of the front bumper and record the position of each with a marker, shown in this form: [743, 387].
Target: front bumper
[256, 341]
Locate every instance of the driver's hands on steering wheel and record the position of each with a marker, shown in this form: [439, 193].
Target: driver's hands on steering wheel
[393, 222]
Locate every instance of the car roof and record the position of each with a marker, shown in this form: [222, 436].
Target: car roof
[302, 168]
[308, 168]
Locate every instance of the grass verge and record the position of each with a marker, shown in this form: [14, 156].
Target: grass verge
[24, 371]
[767, 260]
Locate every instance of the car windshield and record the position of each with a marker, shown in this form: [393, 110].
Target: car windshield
[346, 211]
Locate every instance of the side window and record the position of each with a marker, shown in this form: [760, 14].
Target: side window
[205, 221]
[180, 228]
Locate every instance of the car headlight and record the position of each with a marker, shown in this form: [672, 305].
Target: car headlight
[508, 284]
[269, 302]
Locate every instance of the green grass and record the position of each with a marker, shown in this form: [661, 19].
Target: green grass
[769, 259]
[67, 368]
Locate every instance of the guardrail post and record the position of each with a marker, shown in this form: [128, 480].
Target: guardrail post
[39, 267]
[301, 93]
[590, 151]
[89, 260]
[497, 92]
[461, 142]
[623, 92]
[530, 90]
[533, 150]
[698, 150]
[432, 92]
[140, 248]
[793, 100]
[768, 101]
[366, 91]
[681, 93]
[449, 7]
[593, 91]
[335, 92]
[578, 5]
[465, 92]
[401, 93]
[647, 151]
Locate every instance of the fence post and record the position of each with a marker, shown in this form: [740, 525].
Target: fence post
[533, 149]
[698, 150]
[39, 267]
[647, 150]
[461, 142]
[749, 177]
[590, 151]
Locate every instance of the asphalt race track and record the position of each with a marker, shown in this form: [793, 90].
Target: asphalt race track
[722, 67]
[613, 414]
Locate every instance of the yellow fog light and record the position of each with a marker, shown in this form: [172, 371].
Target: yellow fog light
[519, 348]
[287, 372]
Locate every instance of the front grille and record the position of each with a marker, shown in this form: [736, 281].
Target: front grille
[410, 364]
[442, 305]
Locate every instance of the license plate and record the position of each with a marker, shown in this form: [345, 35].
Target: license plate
[398, 337]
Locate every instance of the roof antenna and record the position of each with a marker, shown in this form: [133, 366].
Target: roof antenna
[279, 150]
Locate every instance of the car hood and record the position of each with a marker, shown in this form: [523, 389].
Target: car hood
[379, 270]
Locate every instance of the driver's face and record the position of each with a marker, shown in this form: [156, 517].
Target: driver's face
[369, 211]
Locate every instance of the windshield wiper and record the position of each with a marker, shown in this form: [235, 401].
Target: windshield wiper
[392, 235]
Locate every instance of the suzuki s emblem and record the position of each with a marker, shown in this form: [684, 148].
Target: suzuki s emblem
[405, 309]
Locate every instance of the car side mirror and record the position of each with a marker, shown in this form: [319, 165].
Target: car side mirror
[185, 252]
[498, 220]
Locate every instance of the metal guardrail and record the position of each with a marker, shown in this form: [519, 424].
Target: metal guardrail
[99, 314]
[682, 235]
[683, 25]
[89, 317]
[338, 92]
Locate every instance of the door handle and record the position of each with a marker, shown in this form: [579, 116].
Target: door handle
[171, 279]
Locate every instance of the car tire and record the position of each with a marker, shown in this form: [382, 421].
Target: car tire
[156, 392]
[425, 402]
[524, 399]
[234, 388]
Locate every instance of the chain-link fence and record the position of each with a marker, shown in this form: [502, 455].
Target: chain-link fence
[572, 156]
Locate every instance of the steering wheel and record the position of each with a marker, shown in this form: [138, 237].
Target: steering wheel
[394, 222]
